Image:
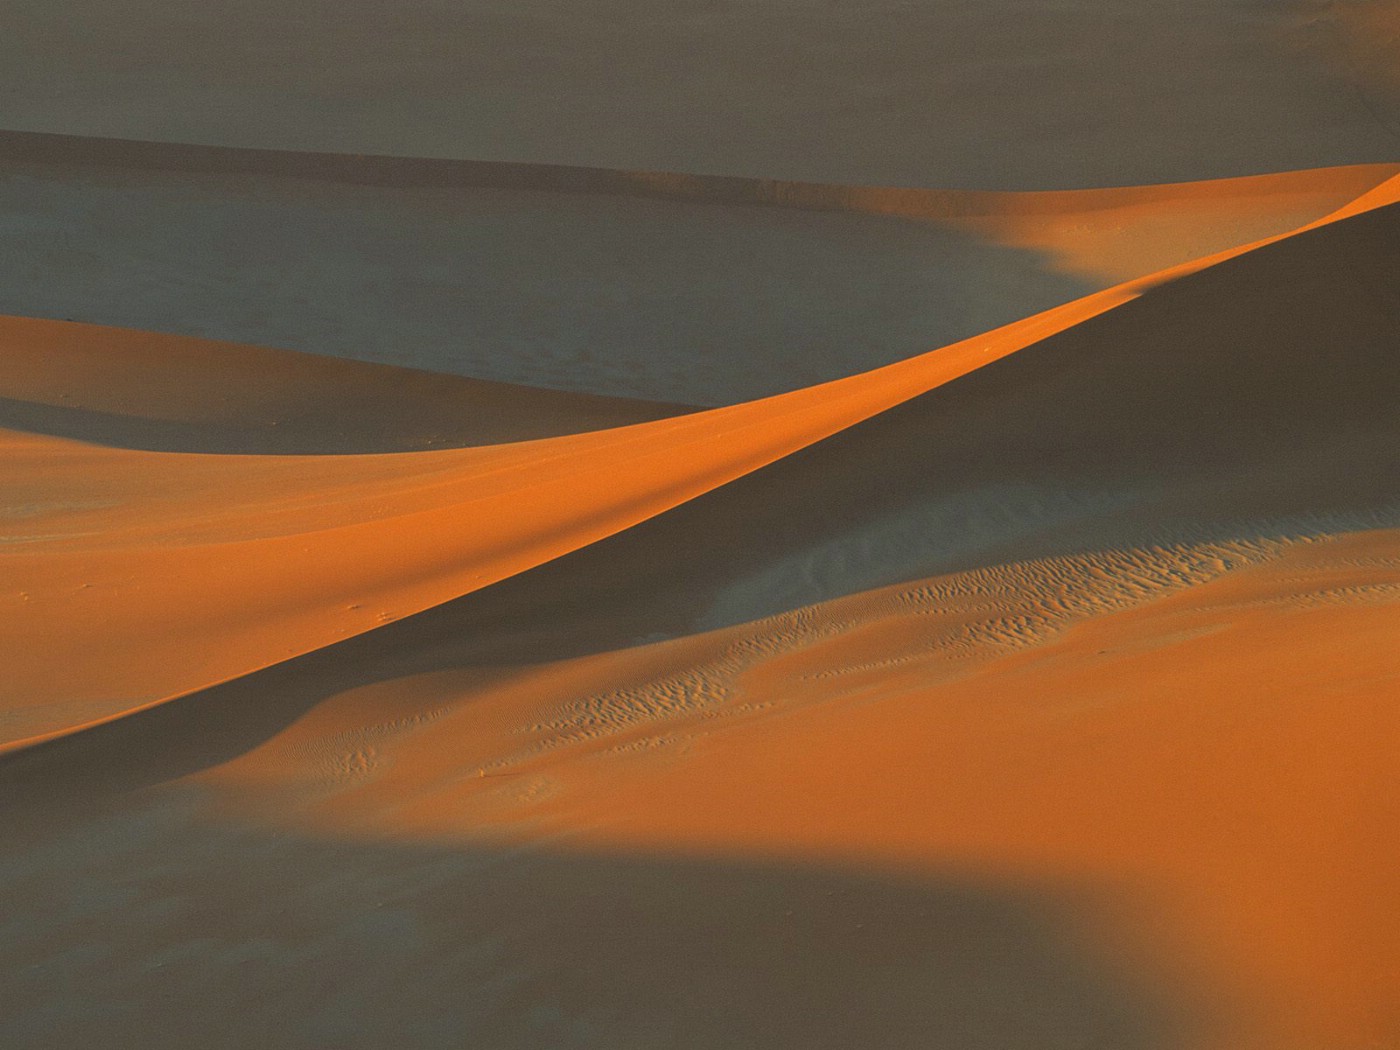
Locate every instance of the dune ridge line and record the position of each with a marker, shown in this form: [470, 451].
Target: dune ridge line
[428, 557]
[47, 148]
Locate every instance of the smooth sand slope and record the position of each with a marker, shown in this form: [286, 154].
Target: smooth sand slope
[660, 286]
[985, 94]
[162, 393]
[114, 552]
[1088, 741]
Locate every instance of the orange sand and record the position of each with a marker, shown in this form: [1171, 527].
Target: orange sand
[1200, 730]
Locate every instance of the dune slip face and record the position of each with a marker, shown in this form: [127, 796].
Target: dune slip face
[98, 567]
[379, 538]
[1036, 690]
[110, 582]
[697, 289]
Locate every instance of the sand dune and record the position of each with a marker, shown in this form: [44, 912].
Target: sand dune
[1185, 733]
[142, 390]
[134, 554]
[991, 94]
[131, 557]
[1031, 691]
[712, 524]
[658, 286]
[129, 561]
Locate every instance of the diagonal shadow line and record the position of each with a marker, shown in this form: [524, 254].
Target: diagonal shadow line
[1157, 388]
[251, 937]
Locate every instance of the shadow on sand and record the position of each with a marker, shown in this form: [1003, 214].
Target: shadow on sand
[147, 927]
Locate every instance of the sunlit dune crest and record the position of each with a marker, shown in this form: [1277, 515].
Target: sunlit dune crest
[400, 534]
[1040, 685]
[701, 290]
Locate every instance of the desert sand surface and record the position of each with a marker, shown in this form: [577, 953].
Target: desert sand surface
[727, 526]
[1036, 690]
[980, 94]
[658, 286]
[145, 390]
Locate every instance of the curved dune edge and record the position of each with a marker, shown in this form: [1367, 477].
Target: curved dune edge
[91, 152]
[1041, 755]
[160, 392]
[1106, 236]
[390, 544]
[727, 298]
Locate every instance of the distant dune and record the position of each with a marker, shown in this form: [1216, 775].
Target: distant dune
[648, 285]
[991, 94]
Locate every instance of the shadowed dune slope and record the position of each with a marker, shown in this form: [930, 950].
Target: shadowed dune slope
[113, 554]
[293, 942]
[1200, 736]
[24, 151]
[1255, 397]
[815, 537]
[143, 390]
[1097, 698]
[980, 93]
[672, 287]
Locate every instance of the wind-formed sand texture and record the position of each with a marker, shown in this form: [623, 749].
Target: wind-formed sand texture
[521, 598]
